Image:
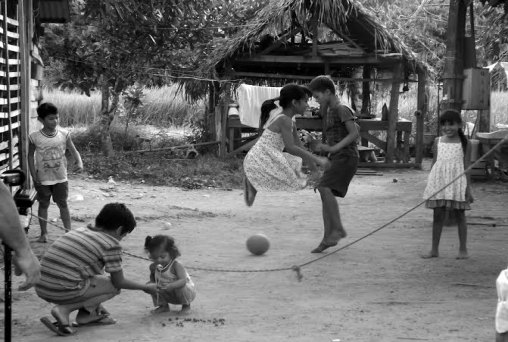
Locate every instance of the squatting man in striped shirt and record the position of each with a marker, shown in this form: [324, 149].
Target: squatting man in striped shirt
[72, 271]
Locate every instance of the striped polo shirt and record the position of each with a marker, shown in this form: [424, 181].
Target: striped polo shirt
[50, 160]
[72, 259]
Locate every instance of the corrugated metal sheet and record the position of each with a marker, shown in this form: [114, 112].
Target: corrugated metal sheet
[53, 11]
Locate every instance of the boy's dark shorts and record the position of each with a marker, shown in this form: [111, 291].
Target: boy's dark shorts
[340, 174]
[59, 191]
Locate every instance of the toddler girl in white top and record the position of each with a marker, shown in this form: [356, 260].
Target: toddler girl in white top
[173, 282]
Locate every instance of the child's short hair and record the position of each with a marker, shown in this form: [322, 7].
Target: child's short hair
[322, 83]
[46, 109]
[162, 241]
[114, 215]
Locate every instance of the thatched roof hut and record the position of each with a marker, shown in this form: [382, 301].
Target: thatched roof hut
[296, 40]
[299, 39]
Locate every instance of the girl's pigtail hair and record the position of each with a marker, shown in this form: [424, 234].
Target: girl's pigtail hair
[266, 108]
[148, 239]
[463, 140]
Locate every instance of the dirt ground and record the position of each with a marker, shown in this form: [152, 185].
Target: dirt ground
[376, 290]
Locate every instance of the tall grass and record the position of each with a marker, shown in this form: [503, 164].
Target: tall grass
[163, 107]
[75, 109]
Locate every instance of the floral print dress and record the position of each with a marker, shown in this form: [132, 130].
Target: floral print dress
[267, 167]
[449, 164]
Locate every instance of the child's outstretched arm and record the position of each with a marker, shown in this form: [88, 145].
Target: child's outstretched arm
[120, 282]
[286, 128]
[298, 143]
[75, 155]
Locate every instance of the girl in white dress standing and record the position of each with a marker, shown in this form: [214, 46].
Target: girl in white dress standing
[452, 154]
[266, 166]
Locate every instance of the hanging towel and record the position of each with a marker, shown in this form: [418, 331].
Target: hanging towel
[250, 98]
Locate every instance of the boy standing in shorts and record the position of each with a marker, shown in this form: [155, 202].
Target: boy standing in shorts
[48, 165]
[341, 134]
[74, 266]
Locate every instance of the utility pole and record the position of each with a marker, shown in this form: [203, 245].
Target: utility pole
[454, 60]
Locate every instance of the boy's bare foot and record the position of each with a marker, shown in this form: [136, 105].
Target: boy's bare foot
[185, 309]
[161, 309]
[323, 246]
[431, 254]
[462, 255]
[43, 238]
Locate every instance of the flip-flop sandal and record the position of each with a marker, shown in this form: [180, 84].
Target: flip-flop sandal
[61, 330]
[105, 320]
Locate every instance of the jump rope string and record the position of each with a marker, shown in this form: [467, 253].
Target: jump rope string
[297, 268]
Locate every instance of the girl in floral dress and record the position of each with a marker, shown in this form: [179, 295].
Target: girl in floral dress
[266, 166]
[451, 157]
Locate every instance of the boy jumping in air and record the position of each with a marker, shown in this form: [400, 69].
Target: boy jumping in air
[341, 134]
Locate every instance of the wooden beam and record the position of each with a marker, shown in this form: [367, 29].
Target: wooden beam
[238, 74]
[315, 60]
[421, 113]
[367, 69]
[375, 140]
[207, 143]
[393, 115]
[244, 147]
[350, 41]
[389, 165]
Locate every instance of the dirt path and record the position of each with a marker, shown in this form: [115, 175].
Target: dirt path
[377, 290]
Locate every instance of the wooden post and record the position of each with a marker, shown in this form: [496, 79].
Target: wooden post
[393, 114]
[421, 113]
[454, 59]
[484, 120]
[212, 103]
[367, 69]
[220, 127]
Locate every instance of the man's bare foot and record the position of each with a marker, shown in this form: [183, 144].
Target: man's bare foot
[61, 315]
[185, 309]
[85, 317]
[462, 255]
[161, 309]
[431, 254]
[43, 238]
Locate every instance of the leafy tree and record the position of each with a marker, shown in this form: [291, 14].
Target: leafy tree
[112, 44]
[422, 26]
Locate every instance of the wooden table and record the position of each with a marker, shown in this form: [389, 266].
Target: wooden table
[403, 129]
